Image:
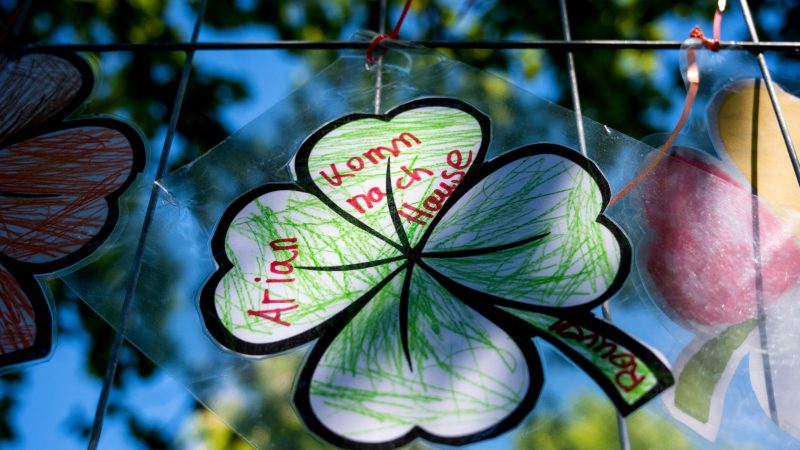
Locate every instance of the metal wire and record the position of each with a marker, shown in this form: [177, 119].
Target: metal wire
[382, 14]
[592, 44]
[133, 281]
[762, 317]
[762, 63]
[573, 79]
[622, 426]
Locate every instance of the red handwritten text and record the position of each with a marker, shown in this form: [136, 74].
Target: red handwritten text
[414, 176]
[433, 202]
[374, 155]
[626, 377]
[278, 267]
[368, 200]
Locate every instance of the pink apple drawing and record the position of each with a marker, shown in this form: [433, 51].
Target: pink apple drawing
[703, 258]
[715, 253]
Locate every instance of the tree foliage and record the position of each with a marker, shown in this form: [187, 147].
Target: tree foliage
[590, 422]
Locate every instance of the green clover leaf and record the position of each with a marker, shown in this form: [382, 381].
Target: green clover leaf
[423, 272]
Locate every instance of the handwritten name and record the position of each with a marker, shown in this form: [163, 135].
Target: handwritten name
[626, 377]
[282, 268]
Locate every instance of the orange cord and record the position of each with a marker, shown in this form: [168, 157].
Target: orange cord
[711, 44]
[693, 75]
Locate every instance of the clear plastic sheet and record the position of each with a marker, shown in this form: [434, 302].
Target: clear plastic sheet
[727, 259]
[254, 395]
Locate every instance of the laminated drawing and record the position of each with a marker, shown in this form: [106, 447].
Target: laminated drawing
[427, 270]
[729, 269]
[59, 184]
[422, 272]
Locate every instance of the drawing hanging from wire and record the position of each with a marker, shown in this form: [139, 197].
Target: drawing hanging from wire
[729, 270]
[423, 272]
[59, 184]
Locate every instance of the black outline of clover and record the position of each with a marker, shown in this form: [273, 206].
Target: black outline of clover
[520, 331]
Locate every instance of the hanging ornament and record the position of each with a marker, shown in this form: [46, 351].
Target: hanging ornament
[422, 271]
[715, 284]
[703, 263]
[722, 258]
[414, 237]
[59, 184]
[751, 262]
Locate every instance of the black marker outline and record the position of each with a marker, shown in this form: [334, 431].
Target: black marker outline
[485, 250]
[23, 271]
[399, 229]
[490, 307]
[403, 313]
[42, 318]
[302, 400]
[301, 160]
[208, 309]
[356, 266]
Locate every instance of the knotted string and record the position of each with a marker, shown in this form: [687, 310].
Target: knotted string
[711, 44]
[394, 34]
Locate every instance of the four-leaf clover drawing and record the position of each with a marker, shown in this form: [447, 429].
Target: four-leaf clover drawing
[422, 272]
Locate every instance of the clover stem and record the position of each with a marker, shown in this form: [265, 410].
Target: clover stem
[398, 226]
[483, 251]
[356, 266]
[404, 314]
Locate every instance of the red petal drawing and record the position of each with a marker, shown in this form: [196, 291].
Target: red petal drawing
[55, 191]
[59, 186]
[702, 254]
[40, 86]
[25, 322]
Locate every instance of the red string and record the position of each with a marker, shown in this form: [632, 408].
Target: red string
[393, 35]
[709, 43]
[693, 75]
[717, 27]
[10, 23]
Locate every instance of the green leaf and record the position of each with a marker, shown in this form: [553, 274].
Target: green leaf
[542, 210]
[420, 154]
[702, 372]
[279, 245]
[462, 374]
